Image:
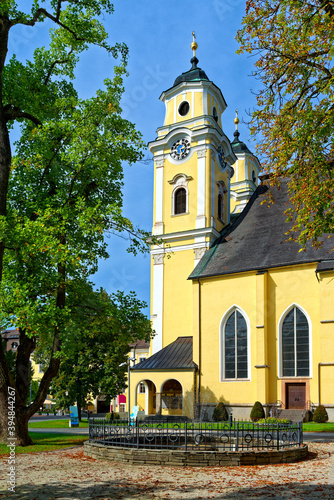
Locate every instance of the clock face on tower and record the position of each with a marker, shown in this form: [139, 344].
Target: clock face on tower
[180, 149]
[221, 156]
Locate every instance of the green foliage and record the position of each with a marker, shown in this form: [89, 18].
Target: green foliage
[112, 416]
[320, 415]
[220, 413]
[293, 45]
[257, 412]
[273, 420]
[96, 345]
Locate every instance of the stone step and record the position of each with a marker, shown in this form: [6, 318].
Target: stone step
[293, 415]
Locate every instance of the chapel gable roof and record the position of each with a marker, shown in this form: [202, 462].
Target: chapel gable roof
[177, 355]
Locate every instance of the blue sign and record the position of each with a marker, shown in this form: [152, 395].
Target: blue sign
[133, 416]
[74, 422]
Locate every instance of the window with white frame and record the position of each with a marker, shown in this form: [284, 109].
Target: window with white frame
[142, 358]
[141, 388]
[180, 194]
[235, 347]
[295, 344]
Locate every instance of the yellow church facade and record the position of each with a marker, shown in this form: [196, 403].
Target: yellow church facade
[240, 315]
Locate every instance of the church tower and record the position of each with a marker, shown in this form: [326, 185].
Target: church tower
[245, 173]
[193, 161]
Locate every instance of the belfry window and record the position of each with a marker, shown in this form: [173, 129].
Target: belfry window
[295, 344]
[180, 201]
[235, 347]
[220, 201]
[220, 207]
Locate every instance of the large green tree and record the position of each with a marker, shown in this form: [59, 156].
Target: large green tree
[292, 41]
[61, 190]
[95, 351]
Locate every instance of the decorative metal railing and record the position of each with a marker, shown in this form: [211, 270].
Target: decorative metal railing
[219, 436]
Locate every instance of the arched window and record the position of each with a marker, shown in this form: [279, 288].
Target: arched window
[295, 344]
[235, 348]
[180, 201]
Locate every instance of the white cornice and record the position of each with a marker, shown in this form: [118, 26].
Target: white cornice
[192, 86]
[190, 234]
[157, 147]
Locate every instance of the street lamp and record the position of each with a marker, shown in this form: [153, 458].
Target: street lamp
[129, 407]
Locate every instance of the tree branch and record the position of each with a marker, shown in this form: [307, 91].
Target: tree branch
[13, 113]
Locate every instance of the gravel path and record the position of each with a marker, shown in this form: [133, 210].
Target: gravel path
[68, 474]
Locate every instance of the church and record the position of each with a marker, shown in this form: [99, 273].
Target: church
[239, 313]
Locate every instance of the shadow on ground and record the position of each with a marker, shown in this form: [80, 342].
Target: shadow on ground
[110, 490]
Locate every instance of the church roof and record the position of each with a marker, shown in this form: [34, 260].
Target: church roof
[176, 356]
[256, 240]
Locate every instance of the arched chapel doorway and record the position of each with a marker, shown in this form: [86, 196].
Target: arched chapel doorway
[171, 398]
[145, 396]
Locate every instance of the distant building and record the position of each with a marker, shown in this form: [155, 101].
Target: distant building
[11, 338]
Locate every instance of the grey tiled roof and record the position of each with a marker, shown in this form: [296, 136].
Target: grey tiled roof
[177, 355]
[257, 240]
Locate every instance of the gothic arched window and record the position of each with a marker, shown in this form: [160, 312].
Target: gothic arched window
[180, 201]
[235, 347]
[295, 344]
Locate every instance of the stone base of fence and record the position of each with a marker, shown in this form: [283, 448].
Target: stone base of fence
[194, 458]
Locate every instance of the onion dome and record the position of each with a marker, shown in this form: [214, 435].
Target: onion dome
[195, 73]
[237, 145]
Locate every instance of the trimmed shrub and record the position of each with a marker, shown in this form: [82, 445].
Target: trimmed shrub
[320, 415]
[257, 412]
[308, 417]
[112, 416]
[220, 413]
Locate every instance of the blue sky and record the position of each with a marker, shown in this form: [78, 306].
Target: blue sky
[158, 35]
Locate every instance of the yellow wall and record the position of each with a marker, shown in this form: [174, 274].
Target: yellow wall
[178, 317]
[264, 298]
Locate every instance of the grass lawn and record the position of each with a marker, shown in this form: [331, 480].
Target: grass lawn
[55, 424]
[314, 427]
[46, 442]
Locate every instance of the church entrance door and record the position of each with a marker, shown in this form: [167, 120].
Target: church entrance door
[295, 396]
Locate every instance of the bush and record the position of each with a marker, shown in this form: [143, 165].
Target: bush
[112, 416]
[257, 412]
[220, 413]
[320, 415]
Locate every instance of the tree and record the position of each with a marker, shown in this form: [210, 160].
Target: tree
[96, 348]
[61, 191]
[293, 43]
[220, 413]
[257, 411]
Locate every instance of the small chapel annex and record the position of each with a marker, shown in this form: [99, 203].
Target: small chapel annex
[240, 314]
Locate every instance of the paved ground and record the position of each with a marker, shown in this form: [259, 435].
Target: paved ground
[67, 474]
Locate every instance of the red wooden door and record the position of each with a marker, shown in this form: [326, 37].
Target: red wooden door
[295, 396]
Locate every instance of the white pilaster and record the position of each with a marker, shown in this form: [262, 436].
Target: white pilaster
[213, 186]
[200, 219]
[157, 306]
[159, 186]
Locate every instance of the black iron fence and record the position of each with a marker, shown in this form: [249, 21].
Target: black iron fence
[219, 436]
